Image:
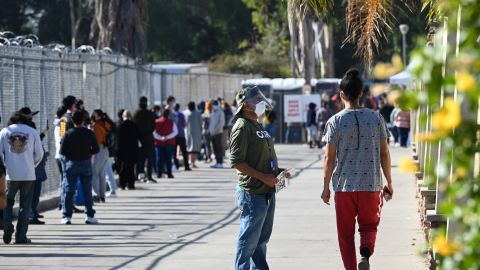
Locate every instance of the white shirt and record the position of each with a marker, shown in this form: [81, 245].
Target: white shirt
[21, 151]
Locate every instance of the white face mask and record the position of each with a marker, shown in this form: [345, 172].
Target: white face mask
[260, 108]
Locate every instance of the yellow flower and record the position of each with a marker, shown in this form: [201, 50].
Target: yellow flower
[444, 247]
[386, 70]
[407, 165]
[448, 117]
[461, 172]
[465, 81]
[397, 62]
[426, 137]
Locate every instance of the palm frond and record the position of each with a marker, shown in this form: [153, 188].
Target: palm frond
[301, 7]
[366, 21]
[433, 7]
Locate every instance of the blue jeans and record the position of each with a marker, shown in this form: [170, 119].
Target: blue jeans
[164, 156]
[100, 162]
[73, 171]
[37, 189]
[256, 223]
[26, 194]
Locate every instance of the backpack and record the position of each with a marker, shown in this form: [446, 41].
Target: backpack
[63, 126]
[111, 141]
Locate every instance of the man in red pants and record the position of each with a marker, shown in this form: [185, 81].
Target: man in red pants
[356, 153]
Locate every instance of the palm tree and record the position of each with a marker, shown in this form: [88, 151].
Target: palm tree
[366, 20]
[120, 24]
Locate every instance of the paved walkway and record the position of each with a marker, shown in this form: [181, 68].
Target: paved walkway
[191, 222]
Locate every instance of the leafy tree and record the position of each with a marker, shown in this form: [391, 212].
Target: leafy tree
[192, 30]
[54, 26]
[17, 16]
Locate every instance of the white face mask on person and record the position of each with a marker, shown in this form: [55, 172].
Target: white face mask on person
[260, 108]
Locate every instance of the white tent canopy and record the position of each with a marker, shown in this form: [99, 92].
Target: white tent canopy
[403, 78]
[287, 84]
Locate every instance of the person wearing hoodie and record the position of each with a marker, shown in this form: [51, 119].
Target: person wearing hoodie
[100, 127]
[215, 129]
[145, 121]
[21, 151]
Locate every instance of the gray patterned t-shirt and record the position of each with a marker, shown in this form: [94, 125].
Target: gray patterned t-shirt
[356, 134]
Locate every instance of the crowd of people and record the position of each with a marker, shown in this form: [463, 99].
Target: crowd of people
[397, 120]
[92, 148]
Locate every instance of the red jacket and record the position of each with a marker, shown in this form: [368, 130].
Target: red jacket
[164, 127]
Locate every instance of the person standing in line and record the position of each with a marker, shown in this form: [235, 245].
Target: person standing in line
[128, 140]
[112, 147]
[194, 133]
[80, 106]
[21, 151]
[181, 141]
[228, 125]
[100, 160]
[207, 138]
[78, 165]
[402, 118]
[312, 128]
[253, 156]
[269, 122]
[164, 134]
[323, 115]
[394, 129]
[170, 105]
[386, 110]
[356, 153]
[65, 123]
[40, 172]
[145, 121]
[215, 129]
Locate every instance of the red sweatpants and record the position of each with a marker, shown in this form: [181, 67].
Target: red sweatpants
[366, 207]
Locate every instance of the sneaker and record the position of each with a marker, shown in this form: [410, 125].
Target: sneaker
[102, 199]
[40, 216]
[36, 222]
[7, 234]
[151, 180]
[113, 194]
[96, 199]
[170, 176]
[78, 211]
[23, 242]
[66, 221]
[188, 169]
[91, 220]
[364, 264]
[217, 166]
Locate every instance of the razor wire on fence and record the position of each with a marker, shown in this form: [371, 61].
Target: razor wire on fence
[39, 77]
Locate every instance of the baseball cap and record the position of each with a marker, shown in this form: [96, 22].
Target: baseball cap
[253, 95]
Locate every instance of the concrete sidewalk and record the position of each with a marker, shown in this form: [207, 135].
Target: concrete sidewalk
[191, 222]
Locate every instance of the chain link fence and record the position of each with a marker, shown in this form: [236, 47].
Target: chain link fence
[40, 78]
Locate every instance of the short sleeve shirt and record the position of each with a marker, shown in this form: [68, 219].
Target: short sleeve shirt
[251, 144]
[357, 135]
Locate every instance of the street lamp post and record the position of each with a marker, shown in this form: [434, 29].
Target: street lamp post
[404, 30]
